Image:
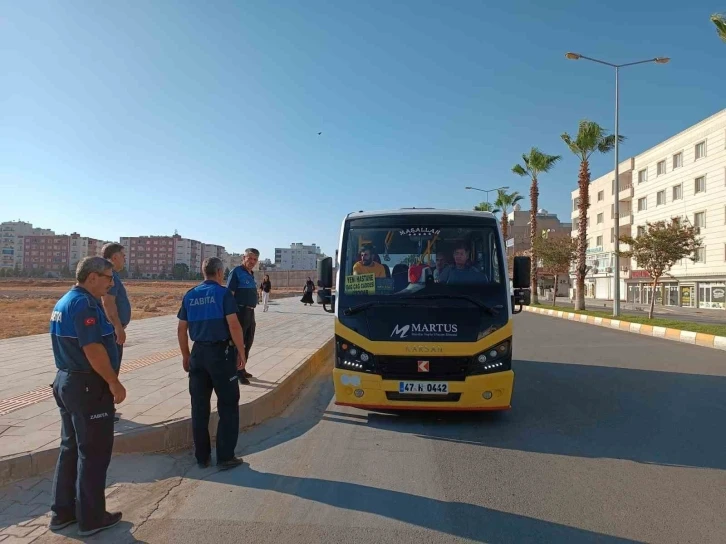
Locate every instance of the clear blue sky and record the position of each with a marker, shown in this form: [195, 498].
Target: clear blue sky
[132, 118]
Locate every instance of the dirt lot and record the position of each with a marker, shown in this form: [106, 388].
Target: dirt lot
[25, 305]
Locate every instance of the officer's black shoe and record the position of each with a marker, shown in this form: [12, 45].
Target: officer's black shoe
[247, 374]
[231, 463]
[109, 520]
[57, 523]
[243, 380]
[203, 464]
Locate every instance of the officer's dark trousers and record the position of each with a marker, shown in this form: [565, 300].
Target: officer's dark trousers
[213, 366]
[87, 410]
[246, 318]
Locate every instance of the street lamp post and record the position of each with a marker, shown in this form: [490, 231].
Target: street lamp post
[487, 191]
[616, 210]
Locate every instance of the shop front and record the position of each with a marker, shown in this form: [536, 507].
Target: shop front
[673, 292]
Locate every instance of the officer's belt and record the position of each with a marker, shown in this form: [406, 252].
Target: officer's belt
[215, 343]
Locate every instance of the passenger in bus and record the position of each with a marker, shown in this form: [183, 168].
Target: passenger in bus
[367, 265]
[462, 271]
[442, 261]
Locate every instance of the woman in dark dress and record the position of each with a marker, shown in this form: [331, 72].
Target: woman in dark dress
[308, 291]
[265, 288]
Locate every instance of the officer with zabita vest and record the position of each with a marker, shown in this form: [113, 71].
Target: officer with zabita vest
[86, 388]
[208, 315]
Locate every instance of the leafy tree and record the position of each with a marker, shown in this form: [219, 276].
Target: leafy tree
[486, 207]
[591, 138]
[661, 246]
[180, 271]
[2, 273]
[504, 202]
[719, 20]
[137, 272]
[535, 163]
[557, 253]
[226, 273]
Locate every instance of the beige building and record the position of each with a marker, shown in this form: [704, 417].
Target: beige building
[685, 177]
[12, 242]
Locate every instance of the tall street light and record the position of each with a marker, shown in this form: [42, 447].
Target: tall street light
[487, 191]
[616, 211]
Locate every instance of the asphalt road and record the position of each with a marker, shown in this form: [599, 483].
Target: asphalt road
[612, 437]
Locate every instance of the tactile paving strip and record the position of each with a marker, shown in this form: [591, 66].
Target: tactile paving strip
[44, 393]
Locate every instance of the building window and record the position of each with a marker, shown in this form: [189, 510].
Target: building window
[641, 231]
[699, 219]
[700, 150]
[700, 255]
[699, 185]
[587, 244]
[660, 198]
[661, 168]
[600, 196]
[712, 295]
[575, 204]
[612, 235]
[598, 242]
[600, 218]
[642, 204]
[678, 192]
[677, 160]
[643, 176]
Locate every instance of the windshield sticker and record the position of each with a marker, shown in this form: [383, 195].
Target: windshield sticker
[363, 284]
[420, 231]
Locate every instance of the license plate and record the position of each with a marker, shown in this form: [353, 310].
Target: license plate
[425, 388]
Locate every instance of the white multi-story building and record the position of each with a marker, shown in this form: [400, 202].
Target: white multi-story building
[12, 241]
[212, 250]
[188, 252]
[298, 257]
[685, 177]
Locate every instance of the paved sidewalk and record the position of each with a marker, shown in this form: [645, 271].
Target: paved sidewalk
[288, 335]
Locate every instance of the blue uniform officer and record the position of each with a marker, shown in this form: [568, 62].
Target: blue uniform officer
[242, 283]
[208, 316]
[86, 388]
[116, 302]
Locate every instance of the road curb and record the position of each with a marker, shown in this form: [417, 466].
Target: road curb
[176, 434]
[676, 335]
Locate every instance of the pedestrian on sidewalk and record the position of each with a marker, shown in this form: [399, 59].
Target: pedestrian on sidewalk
[208, 315]
[265, 288]
[308, 291]
[86, 388]
[116, 302]
[241, 282]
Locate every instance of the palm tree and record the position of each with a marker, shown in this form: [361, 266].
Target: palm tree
[535, 163]
[591, 137]
[505, 201]
[486, 207]
[719, 19]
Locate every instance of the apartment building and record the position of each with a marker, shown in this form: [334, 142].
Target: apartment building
[149, 255]
[213, 250]
[600, 280]
[12, 242]
[685, 177]
[298, 257]
[59, 252]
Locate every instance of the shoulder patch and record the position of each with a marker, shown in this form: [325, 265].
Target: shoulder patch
[90, 321]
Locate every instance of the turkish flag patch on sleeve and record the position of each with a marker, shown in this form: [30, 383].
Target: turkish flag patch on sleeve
[90, 321]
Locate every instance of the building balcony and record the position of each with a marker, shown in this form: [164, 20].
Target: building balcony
[626, 219]
[626, 191]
